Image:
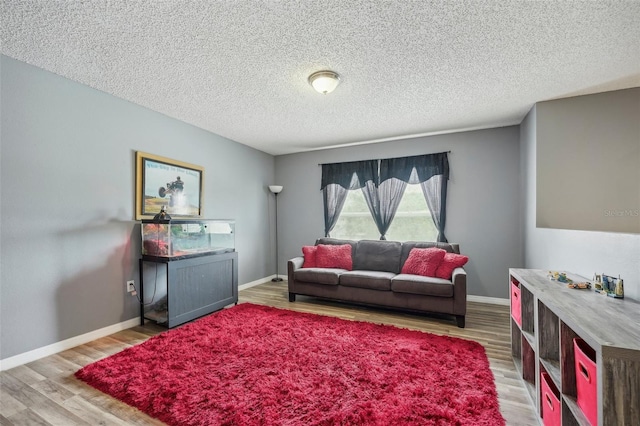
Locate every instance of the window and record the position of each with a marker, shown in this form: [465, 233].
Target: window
[383, 184]
[412, 221]
[355, 221]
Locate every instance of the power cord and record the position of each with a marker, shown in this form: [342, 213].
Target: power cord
[162, 215]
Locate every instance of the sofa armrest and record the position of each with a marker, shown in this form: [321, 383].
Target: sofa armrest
[295, 263]
[292, 266]
[459, 280]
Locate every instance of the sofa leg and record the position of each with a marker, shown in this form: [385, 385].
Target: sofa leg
[292, 297]
[460, 320]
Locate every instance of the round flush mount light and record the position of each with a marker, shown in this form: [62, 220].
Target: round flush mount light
[324, 81]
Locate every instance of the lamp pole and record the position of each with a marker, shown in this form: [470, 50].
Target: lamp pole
[276, 189]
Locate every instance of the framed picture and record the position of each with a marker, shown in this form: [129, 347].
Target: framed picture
[176, 185]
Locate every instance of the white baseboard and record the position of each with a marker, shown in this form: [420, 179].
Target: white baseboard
[26, 357]
[256, 282]
[470, 298]
[54, 348]
[489, 300]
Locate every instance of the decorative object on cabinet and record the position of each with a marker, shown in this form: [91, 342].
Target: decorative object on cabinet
[597, 282]
[612, 287]
[559, 276]
[162, 182]
[163, 215]
[276, 189]
[580, 286]
[543, 342]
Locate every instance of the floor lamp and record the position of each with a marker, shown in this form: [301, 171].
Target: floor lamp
[276, 189]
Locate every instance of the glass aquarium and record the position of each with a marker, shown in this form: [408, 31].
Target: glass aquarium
[177, 239]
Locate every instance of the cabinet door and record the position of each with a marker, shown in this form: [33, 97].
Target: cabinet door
[201, 285]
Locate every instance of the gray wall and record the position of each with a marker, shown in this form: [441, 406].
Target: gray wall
[69, 241]
[582, 252]
[482, 209]
[588, 162]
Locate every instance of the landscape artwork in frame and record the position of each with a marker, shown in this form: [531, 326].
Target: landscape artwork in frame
[176, 185]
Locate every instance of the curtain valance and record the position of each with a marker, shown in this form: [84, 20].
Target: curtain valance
[415, 169]
[350, 175]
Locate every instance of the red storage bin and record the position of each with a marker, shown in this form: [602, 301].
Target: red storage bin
[550, 402]
[516, 308]
[586, 380]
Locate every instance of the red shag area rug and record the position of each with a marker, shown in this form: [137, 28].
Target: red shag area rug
[257, 365]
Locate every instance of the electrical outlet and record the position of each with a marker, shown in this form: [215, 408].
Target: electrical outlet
[131, 286]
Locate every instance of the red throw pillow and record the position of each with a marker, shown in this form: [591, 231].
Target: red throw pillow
[423, 261]
[309, 253]
[334, 256]
[450, 262]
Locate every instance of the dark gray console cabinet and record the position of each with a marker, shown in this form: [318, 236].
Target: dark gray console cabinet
[195, 286]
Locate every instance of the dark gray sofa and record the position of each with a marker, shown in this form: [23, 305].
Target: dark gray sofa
[376, 279]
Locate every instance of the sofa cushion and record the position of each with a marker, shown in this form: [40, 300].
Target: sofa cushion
[450, 262]
[337, 242]
[332, 256]
[408, 245]
[416, 284]
[328, 276]
[423, 261]
[309, 253]
[375, 280]
[376, 255]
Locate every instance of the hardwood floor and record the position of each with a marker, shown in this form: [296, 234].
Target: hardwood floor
[45, 392]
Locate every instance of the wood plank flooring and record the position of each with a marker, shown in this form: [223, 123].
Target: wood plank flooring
[45, 392]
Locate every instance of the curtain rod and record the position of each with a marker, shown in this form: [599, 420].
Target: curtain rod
[392, 158]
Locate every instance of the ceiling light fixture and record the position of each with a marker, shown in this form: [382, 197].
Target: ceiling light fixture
[324, 81]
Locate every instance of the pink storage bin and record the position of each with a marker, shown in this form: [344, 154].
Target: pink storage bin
[586, 380]
[550, 402]
[516, 308]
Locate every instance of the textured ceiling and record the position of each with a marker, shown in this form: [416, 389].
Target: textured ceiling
[239, 68]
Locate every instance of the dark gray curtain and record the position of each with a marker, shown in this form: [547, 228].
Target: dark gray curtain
[383, 202]
[334, 197]
[416, 169]
[337, 179]
[435, 192]
[342, 174]
[431, 171]
[383, 183]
